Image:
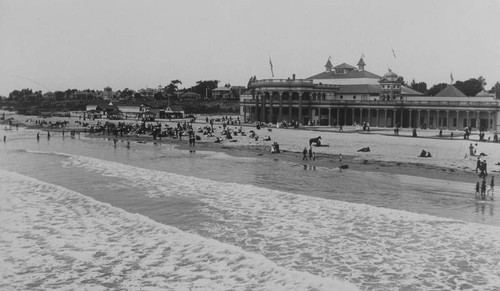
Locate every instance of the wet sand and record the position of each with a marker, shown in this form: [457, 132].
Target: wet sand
[243, 146]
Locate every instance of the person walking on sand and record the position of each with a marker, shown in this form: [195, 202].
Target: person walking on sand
[310, 153]
[304, 154]
[478, 186]
[478, 164]
[37, 136]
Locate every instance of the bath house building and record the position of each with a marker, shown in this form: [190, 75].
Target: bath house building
[348, 95]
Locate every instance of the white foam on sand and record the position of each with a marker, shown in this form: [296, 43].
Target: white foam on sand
[54, 238]
[373, 247]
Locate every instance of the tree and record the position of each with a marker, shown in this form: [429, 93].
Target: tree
[172, 88]
[472, 86]
[420, 87]
[204, 87]
[436, 89]
[251, 81]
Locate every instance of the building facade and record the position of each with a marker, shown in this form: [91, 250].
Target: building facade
[345, 95]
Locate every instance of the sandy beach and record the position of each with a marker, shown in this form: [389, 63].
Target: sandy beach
[388, 153]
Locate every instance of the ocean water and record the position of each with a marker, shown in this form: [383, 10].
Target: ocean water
[77, 213]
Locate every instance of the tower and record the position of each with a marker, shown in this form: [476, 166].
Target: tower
[390, 86]
[361, 64]
[328, 65]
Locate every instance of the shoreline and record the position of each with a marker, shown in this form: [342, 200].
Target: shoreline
[323, 160]
[261, 149]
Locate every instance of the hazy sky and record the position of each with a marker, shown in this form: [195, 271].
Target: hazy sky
[60, 44]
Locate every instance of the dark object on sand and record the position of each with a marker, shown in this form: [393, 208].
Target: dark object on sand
[316, 140]
[365, 149]
[344, 167]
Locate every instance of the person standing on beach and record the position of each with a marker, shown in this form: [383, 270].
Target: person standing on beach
[304, 154]
[483, 188]
[37, 136]
[48, 134]
[478, 186]
[310, 153]
[478, 164]
[492, 185]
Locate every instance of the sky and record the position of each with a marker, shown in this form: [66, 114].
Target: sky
[52, 45]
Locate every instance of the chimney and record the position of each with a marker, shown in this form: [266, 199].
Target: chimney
[293, 76]
[497, 90]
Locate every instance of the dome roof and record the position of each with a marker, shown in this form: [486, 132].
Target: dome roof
[390, 74]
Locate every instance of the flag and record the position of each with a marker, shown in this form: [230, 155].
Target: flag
[271, 64]
[393, 53]
[451, 77]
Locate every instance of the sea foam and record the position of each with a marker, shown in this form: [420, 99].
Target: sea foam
[373, 247]
[54, 238]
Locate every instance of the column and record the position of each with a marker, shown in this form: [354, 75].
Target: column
[290, 94]
[378, 117]
[271, 102]
[368, 116]
[477, 121]
[244, 112]
[447, 119]
[437, 118]
[353, 116]
[345, 116]
[458, 122]
[385, 121]
[360, 116]
[393, 117]
[409, 119]
[401, 123]
[329, 117]
[428, 118]
[300, 108]
[418, 120]
[338, 115]
[280, 113]
[256, 115]
[467, 119]
[310, 109]
[489, 120]
[263, 118]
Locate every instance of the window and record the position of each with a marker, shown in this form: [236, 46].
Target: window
[354, 97]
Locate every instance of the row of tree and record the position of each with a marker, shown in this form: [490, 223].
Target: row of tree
[469, 87]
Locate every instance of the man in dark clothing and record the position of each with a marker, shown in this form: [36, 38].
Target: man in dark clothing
[304, 152]
[310, 153]
[478, 164]
[483, 188]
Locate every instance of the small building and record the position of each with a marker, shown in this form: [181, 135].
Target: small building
[190, 96]
[221, 93]
[172, 112]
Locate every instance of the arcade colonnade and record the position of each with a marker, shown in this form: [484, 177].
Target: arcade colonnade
[317, 107]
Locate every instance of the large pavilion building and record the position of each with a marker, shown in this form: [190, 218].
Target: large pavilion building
[346, 95]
